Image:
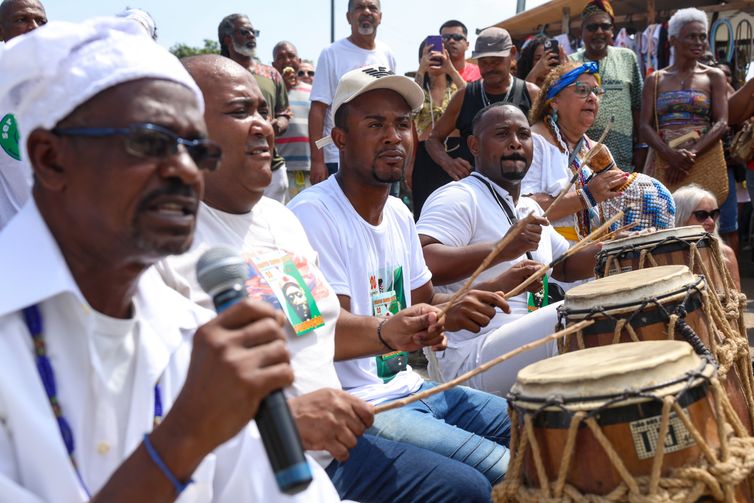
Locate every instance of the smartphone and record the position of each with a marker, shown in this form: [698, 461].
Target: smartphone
[434, 42]
[552, 45]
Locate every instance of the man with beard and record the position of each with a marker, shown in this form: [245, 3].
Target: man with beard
[494, 51]
[238, 41]
[621, 80]
[454, 40]
[16, 18]
[293, 145]
[234, 213]
[361, 48]
[460, 225]
[110, 390]
[370, 254]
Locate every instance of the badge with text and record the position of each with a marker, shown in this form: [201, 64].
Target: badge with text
[290, 289]
[388, 298]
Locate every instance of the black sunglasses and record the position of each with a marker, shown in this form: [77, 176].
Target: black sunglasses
[150, 141]
[702, 215]
[594, 26]
[245, 32]
[302, 73]
[453, 36]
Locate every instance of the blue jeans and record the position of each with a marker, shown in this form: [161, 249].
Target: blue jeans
[464, 424]
[380, 470]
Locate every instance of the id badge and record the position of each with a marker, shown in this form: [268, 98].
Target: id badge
[386, 304]
[290, 289]
[540, 298]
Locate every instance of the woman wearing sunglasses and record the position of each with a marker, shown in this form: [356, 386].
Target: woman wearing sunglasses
[696, 206]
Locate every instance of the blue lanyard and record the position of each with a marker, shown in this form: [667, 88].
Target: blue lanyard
[33, 319]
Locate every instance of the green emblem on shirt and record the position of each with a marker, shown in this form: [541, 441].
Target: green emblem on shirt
[9, 136]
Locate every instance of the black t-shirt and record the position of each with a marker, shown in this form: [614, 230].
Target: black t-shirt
[473, 102]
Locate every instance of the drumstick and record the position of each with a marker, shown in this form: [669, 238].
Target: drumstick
[502, 243]
[482, 368]
[611, 235]
[578, 246]
[585, 162]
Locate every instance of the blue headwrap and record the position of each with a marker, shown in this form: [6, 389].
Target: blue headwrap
[569, 78]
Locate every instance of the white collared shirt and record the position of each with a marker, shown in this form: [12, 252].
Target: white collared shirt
[34, 464]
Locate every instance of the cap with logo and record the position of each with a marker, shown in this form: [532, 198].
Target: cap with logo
[492, 42]
[370, 78]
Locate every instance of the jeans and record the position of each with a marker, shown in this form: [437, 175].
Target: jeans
[381, 470]
[461, 423]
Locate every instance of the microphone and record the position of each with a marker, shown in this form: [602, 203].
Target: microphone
[222, 274]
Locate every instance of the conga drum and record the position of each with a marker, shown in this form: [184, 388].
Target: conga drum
[586, 427]
[661, 303]
[690, 246]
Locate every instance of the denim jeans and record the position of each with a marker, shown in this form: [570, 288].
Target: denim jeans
[380, 470]
[462, 423]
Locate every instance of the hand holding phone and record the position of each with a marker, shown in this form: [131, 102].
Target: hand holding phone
[434, 42]
[553, 46]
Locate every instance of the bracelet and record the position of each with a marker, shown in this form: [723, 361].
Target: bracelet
[641, 146]
[177, 484]
[379, 335]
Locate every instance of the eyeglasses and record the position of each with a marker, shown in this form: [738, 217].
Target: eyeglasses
[702, 215]
[303, 73]
[582, 90]
[592, 27]
[453, 36]
[245, 32]
[150, 141]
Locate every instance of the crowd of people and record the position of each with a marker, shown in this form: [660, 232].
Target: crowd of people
[122, 166]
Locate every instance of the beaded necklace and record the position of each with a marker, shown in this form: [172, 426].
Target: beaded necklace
[33, 320]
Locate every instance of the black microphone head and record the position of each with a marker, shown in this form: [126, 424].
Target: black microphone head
[219, 268]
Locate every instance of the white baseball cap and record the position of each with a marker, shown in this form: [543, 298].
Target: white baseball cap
[362, 80]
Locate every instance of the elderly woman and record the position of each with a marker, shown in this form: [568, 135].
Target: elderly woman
[439, 79]
[565, 109]
[684, 97]
[696, 206]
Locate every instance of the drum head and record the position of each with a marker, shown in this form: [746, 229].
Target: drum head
[689, 233]
[581, 376]
[629, 287]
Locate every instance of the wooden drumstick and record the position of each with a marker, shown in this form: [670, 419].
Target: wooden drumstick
[502, 243]
[585, 162]
[578, 246]
[611, 235]
[482, 368]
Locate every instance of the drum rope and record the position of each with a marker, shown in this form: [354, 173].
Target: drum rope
[716, 473]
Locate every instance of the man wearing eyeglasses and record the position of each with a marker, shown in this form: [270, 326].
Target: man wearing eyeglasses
[454, 38]
[293, 145]
[361, 48]
[238, 41]
[622, 82]
[16, 18]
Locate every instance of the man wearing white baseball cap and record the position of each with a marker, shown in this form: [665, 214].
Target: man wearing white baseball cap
[493, 52]
[370, 254]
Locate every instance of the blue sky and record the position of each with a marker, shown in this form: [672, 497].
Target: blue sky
[306, 23]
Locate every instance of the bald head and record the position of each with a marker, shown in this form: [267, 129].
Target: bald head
[20, 16]
[207, 69]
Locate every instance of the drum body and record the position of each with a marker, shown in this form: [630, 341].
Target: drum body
[690, 246]
[588, 423]
[661, 303]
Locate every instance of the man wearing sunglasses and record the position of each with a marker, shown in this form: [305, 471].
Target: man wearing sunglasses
[454, 39]
[16, 18]
[622, 82]
[238, 41]
[110, 390]
[293, 145]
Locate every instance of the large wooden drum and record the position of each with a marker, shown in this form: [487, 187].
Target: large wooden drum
[586, 427]
[661, 303]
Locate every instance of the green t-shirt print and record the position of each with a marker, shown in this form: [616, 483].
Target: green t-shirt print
[9, 136]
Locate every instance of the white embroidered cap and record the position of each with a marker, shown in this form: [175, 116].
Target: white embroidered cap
[47, 73]
[359, 81]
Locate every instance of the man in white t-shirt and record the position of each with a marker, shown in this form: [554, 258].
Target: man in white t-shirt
[109, 388]
[462, 224]
[370, 254]
[361, 48]
[270, 238]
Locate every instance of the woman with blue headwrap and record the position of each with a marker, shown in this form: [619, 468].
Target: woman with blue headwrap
[565, 109]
